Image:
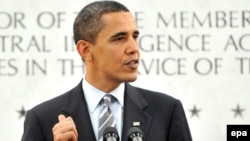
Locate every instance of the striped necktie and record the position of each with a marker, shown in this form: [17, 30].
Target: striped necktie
[106, 118]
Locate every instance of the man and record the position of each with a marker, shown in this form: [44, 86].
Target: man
[106, 35]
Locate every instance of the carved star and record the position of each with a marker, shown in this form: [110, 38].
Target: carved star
[22, 112]
[238, 111]
[195, 111]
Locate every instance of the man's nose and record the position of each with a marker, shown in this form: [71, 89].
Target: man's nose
[132, 46]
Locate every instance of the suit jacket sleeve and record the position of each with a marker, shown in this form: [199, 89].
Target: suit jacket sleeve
[179, 129]
[32, 129]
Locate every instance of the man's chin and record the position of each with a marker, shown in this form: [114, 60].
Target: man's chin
[131, 79]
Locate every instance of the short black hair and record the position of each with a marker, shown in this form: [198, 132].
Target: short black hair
[88, 22]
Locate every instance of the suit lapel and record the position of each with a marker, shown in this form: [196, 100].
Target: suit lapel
[76, 107]
[134, 111]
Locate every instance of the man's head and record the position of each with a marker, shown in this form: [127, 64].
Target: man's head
[106, 39]
[88, 23]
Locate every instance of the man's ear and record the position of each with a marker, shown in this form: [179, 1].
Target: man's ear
[83, 48]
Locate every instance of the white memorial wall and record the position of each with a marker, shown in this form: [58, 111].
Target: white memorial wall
[196, 51]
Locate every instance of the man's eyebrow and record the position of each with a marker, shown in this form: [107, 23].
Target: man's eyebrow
[118, 34]
[137, 32]
[123, 33]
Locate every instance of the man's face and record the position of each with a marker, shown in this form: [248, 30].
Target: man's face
[116, 52]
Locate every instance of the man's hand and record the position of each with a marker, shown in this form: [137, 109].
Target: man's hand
[65, 129]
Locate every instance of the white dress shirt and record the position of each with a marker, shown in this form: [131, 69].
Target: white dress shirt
[93, 97]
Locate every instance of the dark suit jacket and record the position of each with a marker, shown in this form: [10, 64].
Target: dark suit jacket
[161, 117]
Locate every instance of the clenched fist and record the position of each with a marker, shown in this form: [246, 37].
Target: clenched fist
[65, 129]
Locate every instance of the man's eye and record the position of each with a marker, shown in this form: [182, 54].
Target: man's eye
[135, 36]
[119, 38]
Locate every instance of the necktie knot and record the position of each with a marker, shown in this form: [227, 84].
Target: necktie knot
[107, 99]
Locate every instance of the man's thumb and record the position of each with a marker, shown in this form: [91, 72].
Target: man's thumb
[61, 117]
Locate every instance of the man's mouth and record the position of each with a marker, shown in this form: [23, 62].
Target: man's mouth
[133, 64]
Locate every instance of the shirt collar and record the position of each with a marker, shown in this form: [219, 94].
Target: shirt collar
[94, 95]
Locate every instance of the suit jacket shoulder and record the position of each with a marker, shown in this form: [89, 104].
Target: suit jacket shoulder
[150, 95]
